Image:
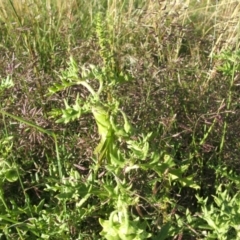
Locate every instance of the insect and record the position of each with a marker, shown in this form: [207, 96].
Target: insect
[105, 132]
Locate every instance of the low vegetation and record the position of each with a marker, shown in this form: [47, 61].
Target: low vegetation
[119, 119]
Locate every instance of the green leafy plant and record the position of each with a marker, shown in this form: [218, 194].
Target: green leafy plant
[112, 132]
[222, 217]
[137, 121]
[120, 227]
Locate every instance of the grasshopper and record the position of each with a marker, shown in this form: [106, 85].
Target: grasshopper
[105, 132]
[108, 131]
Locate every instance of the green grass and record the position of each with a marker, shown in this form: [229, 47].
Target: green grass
[119, 119]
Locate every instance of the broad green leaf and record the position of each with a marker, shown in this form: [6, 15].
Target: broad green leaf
[127, 126]
[11, 175]
[116, 158]
[164, 232]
